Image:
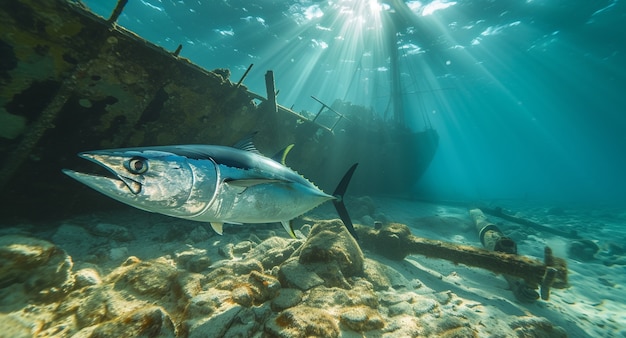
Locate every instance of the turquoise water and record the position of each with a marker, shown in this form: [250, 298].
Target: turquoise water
[527, 96]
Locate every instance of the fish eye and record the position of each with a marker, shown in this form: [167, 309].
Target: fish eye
[137, 165]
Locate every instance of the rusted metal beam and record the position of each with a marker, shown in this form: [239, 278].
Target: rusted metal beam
[178, 49]
[395, 241]
[498, 212]
[35, 132]
[117, 11]
[244, 75]
[325, 106]
[271, 91]
[492, 239]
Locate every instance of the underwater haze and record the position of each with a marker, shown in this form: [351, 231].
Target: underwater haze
[509, 114]
[527, 96]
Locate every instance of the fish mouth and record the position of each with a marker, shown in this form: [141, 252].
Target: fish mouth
[109, 181]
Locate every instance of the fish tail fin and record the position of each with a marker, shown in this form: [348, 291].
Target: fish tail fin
[338, 202]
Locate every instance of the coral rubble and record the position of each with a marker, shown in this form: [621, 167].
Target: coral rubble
[263, 286]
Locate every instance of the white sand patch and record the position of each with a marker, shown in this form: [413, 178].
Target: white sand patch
[593, 305]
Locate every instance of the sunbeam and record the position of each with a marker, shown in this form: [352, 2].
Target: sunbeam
[507, 78]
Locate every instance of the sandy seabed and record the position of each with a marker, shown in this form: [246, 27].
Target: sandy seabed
[139, 274]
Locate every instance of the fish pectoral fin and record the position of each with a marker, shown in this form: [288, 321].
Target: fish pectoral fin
[217, 227]
[250, 182]
[288, 225]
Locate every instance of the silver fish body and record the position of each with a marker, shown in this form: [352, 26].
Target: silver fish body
[208, 183]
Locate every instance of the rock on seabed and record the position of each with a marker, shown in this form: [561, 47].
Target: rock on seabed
[267, 286]
[41, 268]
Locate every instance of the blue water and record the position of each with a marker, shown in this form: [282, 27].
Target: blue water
[528, 96]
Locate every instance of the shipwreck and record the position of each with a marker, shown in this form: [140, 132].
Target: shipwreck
[72, 81]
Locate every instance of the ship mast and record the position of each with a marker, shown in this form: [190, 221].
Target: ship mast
[396, 99]
[396, 84]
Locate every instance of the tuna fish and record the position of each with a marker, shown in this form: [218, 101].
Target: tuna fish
[210, 183]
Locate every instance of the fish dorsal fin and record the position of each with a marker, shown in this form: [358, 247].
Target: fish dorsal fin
[281, 156]
[246, 144]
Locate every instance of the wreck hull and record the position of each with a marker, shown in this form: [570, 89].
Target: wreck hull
[74, 81]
